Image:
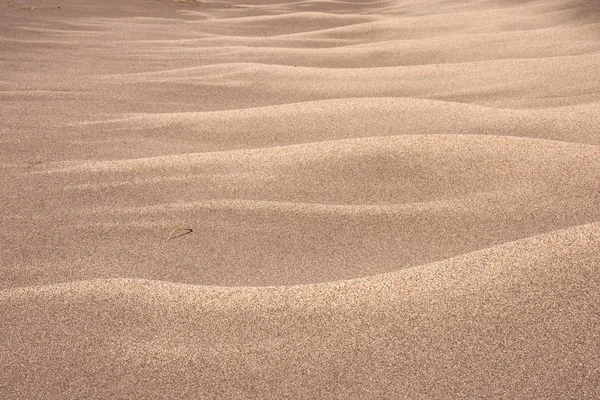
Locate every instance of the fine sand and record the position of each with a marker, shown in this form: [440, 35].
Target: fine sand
[387, 199]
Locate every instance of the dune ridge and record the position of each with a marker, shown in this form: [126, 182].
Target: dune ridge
[387, 199]
[216, 341]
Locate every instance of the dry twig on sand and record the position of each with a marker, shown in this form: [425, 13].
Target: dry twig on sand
[184, 230]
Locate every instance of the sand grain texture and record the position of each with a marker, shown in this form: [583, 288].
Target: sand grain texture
[389, 199]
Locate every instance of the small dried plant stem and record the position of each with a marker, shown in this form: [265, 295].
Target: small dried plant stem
[184, 230]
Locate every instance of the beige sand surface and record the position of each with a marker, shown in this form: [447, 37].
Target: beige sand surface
[389, 199]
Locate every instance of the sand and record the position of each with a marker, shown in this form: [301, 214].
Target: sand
[387, 199]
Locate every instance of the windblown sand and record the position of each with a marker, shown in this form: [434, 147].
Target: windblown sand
[389, 199]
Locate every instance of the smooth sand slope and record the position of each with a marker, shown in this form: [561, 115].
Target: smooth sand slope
[389, 199]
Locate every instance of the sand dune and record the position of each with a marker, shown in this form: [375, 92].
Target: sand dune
[423, 332]
[387, 199]
[339, 209]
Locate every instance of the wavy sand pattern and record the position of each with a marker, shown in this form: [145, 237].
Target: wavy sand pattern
[389, 199]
